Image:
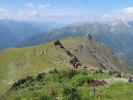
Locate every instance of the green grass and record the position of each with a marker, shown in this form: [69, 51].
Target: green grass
[117, 91]
[17, 63]
[68, 85]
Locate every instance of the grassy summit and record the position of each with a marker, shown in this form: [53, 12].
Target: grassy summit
[17, 63]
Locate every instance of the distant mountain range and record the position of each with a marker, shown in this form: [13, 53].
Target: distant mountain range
[116, 35]
[97, 29]
[13, 32]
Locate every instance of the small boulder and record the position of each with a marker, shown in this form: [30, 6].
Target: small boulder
[40, 76]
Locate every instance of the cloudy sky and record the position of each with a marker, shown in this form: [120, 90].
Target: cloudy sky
[66, 10]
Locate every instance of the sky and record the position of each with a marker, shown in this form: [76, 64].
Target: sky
[66, 10]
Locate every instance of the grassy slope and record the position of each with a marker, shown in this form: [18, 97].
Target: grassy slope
[67, 85]
[17, 63]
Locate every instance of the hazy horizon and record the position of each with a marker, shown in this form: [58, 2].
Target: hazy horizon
[66, 11]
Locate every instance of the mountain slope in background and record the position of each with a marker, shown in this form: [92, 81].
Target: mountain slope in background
[13, 32]
[115, 35]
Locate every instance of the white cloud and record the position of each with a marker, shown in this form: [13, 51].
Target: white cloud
[42, 6]
[27, 14]
[43, 12]
[46, 12]
[128, 10]
[4, 13]
[125, 15]
[29, 5]
[3, 10]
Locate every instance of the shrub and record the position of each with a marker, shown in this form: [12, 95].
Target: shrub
[71, 94]
[80, 79]
[46, 98]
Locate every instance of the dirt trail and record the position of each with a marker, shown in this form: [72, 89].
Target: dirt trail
[113, 80]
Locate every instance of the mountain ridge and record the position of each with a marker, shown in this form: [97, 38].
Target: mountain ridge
[17, 63]
[117, 36]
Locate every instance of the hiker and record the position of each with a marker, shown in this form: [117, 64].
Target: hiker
[130, 79]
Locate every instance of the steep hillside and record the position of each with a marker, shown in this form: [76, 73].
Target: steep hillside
[82, 52]
[117, 36]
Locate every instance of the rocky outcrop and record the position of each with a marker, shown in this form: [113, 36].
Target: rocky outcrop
[58, 43]
[74, 61]
[95, 83]
[27, 80]
[97, 50]
[40, 76]
[20, 82]
[90, 52]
